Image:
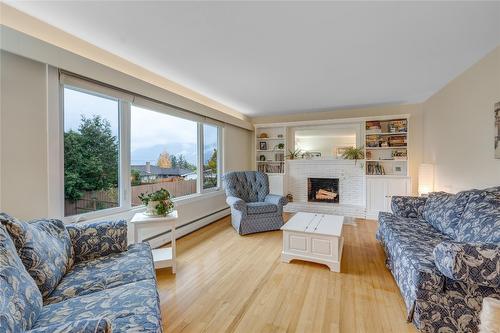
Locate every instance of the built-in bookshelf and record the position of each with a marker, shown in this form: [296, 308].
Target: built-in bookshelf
[386, 147]
[270, 149]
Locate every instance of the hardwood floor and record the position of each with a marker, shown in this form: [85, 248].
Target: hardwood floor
[229, 283]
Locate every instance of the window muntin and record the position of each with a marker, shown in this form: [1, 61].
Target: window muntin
[210, 156]
[91, 152]
[163, 154]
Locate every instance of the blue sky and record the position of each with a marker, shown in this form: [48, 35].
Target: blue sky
[151, 132]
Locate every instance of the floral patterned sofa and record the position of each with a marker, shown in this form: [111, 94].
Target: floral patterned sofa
[75, 278]
[444, 253]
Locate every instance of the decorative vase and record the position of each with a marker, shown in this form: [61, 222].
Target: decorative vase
[151, 208]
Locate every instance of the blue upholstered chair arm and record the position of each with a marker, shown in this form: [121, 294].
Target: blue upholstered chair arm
[237, 203]
[97, 325]
[476, 264]
[98, 239]
[276, 199]
[406, 206]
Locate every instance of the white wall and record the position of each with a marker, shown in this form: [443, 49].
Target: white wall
[459, 128]
[23, 137]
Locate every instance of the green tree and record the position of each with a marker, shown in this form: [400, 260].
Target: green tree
[174, 162]
[210, 177]
[90, 158]
[135, 177]
[212, 162]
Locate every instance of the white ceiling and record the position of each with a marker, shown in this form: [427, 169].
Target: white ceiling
[266, 58]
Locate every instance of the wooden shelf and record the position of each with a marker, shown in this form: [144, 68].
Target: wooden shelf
[378, 148]
[386, 160]
[271, 151]
[263, 139]
[387, 133]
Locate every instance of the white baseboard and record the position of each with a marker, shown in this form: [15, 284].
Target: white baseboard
[188, 228]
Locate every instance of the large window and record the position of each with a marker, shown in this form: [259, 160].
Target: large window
[91, 152]
[164, 154]
[115, 150]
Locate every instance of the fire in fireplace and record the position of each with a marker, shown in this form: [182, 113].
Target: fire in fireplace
[323, 190]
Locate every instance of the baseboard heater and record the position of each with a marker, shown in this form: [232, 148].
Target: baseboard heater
[179, 230]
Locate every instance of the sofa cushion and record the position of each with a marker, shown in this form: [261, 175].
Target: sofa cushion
[20, 299]
[44, 247]
[132, 307]
[107, 272]
[480, 221]
[261, 208]
[444, 210]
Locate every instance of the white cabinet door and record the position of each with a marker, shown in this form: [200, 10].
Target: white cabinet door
[375, 191]
[379, 191]
[396, 186]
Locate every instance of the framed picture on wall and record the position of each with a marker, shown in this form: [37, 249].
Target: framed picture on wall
[398, 169]
[263, 145]
[497, 130]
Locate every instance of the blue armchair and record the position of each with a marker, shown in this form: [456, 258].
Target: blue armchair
[253, 209]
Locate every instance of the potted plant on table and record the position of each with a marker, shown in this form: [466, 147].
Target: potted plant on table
[158, 203]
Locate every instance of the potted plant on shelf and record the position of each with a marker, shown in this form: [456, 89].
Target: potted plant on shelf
[293, 155]
[353, 153]
[158, 203]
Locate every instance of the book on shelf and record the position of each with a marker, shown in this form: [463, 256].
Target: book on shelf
[271, 167]
[375, 169]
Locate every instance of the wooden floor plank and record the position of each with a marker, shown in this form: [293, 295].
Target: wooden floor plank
[229, 283]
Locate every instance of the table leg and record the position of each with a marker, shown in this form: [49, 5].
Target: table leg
[173, 249]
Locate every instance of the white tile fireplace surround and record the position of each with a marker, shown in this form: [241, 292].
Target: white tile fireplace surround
[351, 186]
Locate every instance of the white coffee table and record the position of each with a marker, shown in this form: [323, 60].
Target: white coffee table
[314, 237]
[164, 256]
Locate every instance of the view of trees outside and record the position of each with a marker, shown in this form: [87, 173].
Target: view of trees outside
[163, 153]
[210, 141]
[91, 165]
[166, 142]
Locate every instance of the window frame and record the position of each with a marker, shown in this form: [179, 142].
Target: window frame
[124, 160]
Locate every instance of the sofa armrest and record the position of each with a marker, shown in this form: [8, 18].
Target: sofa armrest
[407, 206]
[278, 200]
[476, 264]
[97, 325]
[97, 239]
[237, 203]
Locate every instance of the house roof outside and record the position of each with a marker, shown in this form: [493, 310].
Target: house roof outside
[156, 170]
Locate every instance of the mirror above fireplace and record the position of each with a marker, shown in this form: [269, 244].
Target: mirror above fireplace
[327, 141]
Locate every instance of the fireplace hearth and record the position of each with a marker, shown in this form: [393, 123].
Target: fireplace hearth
[323, 190]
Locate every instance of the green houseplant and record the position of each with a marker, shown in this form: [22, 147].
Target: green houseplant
[353, 153]
[158, 203]
[293, 155]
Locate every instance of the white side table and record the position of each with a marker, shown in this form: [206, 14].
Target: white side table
[162, 257]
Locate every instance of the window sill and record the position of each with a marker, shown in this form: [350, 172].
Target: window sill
[127, 213]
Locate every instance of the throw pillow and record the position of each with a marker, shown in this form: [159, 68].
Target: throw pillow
[44, 247]
[481, 219]
[20, 299]
[444, 210]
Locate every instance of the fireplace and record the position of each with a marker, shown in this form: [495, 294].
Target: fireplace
[323, 190]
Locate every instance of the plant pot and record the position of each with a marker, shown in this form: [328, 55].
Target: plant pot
[151, 208]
